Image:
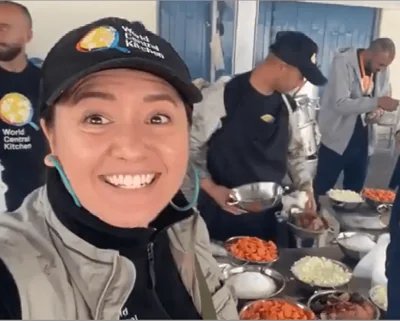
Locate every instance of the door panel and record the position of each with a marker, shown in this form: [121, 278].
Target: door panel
[187, 26]
[330, 26]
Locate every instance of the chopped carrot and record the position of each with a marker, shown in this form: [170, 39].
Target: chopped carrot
[379, 195]
[276, 310]
[254, 249]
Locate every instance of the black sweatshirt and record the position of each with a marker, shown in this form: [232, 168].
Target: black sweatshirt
[147, 248]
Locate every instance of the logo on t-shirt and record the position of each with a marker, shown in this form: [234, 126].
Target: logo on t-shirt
[16, 110]
[107, 37]
[126, 315]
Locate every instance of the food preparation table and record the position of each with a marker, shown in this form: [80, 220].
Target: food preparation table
[296, 290]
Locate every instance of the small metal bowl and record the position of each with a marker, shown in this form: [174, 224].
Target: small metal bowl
[303, 233]
[378, 206]
[300, 305]
[239, 261]
[371, 296]
[344, 206]
[314, 286]
[278, 278]
[320, 294]
[350, 253]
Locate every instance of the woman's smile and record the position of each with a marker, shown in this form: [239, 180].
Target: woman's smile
[130, 181]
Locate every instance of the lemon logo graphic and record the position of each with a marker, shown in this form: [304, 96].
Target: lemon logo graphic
[101, 38]
[16, 109]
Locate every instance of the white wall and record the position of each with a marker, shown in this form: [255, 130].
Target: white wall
[52, 19]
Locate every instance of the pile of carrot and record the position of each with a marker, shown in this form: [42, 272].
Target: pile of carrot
[276, 310]
[379, 195]
[254, 249]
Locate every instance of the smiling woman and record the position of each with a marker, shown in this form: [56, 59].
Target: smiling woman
[110, 234]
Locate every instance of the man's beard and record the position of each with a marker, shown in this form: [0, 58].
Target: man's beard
[10, 52]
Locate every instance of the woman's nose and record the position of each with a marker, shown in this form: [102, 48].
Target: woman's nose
[128, 143]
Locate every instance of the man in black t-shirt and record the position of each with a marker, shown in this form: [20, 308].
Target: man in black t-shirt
[22, 147]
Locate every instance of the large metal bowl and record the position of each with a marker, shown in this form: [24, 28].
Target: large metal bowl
[257, 197]
[320, 294]
[351, 253]
[239, 261]
[300, 305]
[305, 234]
[314, 286]
[344, 206]
[278, 278]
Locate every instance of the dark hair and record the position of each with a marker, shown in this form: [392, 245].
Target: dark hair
[383, 45]
[21, 7]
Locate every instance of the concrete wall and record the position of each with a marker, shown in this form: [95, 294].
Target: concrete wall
[52, 19]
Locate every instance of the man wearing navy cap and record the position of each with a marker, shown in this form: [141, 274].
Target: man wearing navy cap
[244, 132]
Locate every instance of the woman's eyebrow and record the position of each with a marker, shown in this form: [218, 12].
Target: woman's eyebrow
[160, 97]
[79, 96]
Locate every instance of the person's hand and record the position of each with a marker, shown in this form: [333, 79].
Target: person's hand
[388, 103]
[221, 196]
[311, 206]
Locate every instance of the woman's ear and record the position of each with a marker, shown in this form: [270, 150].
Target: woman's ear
[48, 133]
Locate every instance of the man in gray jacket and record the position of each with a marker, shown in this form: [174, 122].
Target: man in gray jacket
[356, 95]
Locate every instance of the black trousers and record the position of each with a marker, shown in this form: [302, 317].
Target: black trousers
[354, 164]
[223, 225]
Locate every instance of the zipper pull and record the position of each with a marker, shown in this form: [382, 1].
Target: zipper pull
[150, 258]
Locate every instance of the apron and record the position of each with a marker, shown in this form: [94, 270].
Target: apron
[246, 150]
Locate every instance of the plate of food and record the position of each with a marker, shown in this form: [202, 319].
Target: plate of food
[245, 249]
[276, 309]
[378, 295]
[321, 272]
[342, 305]
[345, 200]
[252, 282]
[379, 199]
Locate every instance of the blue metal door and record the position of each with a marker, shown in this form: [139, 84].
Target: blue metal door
[187, 26]
[330, 26]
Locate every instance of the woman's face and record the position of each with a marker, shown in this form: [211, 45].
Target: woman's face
[122, 140]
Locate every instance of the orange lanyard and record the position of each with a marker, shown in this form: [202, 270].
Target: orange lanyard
[366, 81]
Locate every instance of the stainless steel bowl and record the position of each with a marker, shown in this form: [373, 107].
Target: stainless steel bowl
[239, 261]
[278, 278]
[344, 206]
[320, 294]
[353, 254]
[372, 297]
[314, 285]
[257, 197]
[378, 206]
[303, 233]
[300, 305]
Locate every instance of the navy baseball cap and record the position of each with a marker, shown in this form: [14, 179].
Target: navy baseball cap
[300, 51]
[112, 43]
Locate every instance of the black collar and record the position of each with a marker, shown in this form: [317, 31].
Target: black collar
[100, 234]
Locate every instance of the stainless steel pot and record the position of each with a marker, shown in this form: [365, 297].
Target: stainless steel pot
[311, 164]
[302, 113]
[309, 139]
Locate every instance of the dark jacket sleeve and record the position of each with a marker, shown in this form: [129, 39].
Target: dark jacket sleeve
[10, 303]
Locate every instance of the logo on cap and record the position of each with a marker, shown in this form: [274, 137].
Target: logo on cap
[314, 59]
[100, 38]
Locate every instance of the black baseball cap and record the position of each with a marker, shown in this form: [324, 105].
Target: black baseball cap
[300, 51]
[111, 43]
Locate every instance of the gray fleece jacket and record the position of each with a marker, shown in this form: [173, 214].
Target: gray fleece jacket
[343, 101]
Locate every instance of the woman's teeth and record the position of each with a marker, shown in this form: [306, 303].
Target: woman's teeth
[130, 181]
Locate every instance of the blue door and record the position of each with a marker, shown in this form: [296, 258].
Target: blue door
[330, 26]
[187, 26]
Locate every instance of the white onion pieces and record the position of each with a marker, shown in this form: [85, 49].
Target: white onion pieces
[345, 196]
[320, 271]
[251, 285]
[358, 242]
[379, 296]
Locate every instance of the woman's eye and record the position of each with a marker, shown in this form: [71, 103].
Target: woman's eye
[96, 120]
[159, 119]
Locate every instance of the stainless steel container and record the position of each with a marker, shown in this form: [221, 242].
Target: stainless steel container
[311, 164]
[309, 139]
